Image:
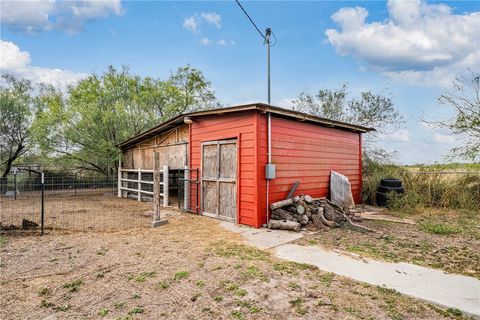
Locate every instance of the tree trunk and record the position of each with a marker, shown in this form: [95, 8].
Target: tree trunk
[12, 158]
[284, 225]
[281, 214]
[281, 204]
[300, 209]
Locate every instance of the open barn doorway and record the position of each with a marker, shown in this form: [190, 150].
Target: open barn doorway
[175, 190]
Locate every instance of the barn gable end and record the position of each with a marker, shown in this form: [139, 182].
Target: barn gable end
[171, 145]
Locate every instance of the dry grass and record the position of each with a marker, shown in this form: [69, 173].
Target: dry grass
[447, 240]
[188, 269]
[98, 210]
[425, 187]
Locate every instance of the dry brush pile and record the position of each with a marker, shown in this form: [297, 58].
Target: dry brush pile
[293, 213]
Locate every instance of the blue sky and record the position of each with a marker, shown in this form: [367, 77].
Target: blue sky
[409, 49]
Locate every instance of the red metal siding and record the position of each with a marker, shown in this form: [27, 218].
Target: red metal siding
[307, 153]
[300, 151]
[241, 126]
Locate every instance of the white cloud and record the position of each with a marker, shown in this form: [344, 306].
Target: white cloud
[438, 134]
[286, 103]
[94, 8]
[212, 18]
[205, 41]
[221, 42]
[12, 57]
[401, 135]
[443, 138]
[46, 15]
[418, 43]
[17, 62]
[191, 24]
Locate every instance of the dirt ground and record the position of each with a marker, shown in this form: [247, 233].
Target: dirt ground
[445, 240]
[188, 269]
[91, 209]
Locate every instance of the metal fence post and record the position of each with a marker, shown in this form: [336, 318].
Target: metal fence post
[165, 186]
[15, 183]
[186, 188]
[42, 217]
[198, 207]
[75, 183]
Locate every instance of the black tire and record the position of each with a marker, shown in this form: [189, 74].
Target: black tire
[391, 189]
[381, 199]
[390, 182]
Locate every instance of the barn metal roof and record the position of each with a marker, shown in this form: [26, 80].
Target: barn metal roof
[169, 124]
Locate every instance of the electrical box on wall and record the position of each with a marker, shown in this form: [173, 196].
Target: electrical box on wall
[270, 171]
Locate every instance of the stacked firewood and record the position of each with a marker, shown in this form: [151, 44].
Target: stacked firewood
[293, 213]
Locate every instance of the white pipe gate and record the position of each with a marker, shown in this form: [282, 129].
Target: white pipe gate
[139, 181]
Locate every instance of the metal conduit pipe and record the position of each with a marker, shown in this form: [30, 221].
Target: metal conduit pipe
[269, 148]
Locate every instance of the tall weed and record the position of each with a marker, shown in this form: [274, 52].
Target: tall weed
[426, 187]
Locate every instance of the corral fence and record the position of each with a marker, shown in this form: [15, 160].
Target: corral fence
[75, 202]
[176, 187]
[66, 202]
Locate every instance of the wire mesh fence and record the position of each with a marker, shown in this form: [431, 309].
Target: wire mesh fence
[70, 203]
[187, 186]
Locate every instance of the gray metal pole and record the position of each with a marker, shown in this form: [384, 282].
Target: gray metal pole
[267, 40]
[42, 213]
[15, 184]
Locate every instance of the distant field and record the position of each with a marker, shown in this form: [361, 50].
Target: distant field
[455, 167]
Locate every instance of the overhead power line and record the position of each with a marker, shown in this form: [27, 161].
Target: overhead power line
[259, 32]
[267, 41]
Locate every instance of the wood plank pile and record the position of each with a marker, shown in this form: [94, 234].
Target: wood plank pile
[298, 211]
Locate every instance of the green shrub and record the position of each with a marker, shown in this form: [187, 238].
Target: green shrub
[136, 310]
[73, 286]
[440, 228]
[181, 274]
[103, 312]
[3, 241]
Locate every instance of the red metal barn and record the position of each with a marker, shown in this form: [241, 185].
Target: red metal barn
[225, 155]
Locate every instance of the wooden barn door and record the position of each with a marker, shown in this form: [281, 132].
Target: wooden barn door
[219, 179]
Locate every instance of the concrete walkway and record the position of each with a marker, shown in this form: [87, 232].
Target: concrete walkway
[435, 286]
[262, 238]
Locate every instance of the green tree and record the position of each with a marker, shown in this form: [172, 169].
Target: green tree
[369, 110]
[195, 92]
[16, 118]
[84, 126]
[464, 98]
[326, 103]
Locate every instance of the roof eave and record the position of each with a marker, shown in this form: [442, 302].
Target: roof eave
[253, 106]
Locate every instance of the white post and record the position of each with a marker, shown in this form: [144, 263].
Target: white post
[165, 186]
[186, 189]
[139, 184]
[119, 183]
[156, 187]
[157, 219]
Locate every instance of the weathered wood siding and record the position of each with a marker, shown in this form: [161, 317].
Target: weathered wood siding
[172, 147]
[307, 153]
[241, 126]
